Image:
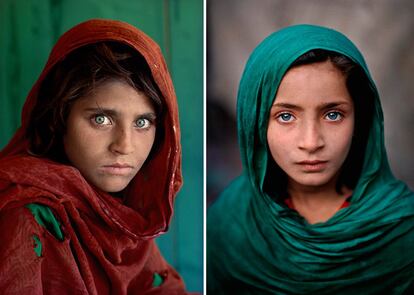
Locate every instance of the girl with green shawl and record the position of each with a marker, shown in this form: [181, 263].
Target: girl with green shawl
[317, 209]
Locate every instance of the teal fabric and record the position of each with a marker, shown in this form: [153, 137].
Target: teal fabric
[37, 246]
[157, 280]
[45, 218]
[258, 246]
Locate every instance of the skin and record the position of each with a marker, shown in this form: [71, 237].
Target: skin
[110, 134]
[309, 136]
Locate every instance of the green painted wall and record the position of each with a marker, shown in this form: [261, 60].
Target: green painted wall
[28, 31]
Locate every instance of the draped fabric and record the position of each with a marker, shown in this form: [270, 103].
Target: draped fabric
[108, 246]
[257, 245]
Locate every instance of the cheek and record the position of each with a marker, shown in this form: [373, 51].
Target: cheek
[341, 142]
[144, 142]
[345, 148]
[343, 139]
[80, 143]
[279, 143]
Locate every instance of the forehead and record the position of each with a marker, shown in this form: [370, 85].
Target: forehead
[312, 83]
[116, 94]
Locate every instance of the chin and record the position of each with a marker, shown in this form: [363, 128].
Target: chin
[114, 189]
[313, 180]
[112, 186]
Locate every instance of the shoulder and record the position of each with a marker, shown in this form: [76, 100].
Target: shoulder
[232, 202]
[18, 227]
[227, 218]
[18, 220]
[25, 226]
[20, 250]
[30, 252]
[226, 233]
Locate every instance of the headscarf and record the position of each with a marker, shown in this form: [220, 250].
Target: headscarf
[257, 245]
[99, 227]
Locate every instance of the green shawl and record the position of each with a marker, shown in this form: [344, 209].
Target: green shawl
[258, 246]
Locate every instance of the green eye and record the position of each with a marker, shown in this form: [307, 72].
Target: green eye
[101, 120]
[142, 123]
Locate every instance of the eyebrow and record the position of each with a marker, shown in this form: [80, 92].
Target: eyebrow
[287, 106]
[114, 113]
[322, 106]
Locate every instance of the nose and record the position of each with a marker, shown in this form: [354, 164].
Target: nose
[121, 141]
[311, 138]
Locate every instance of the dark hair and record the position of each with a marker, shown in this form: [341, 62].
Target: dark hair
[358, 86]
[76, 76]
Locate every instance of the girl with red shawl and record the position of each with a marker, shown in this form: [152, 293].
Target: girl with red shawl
[89, 179]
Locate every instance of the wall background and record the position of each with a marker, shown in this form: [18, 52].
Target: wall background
[28, 31]
[382, 29]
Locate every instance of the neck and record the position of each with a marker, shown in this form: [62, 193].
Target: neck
[317, 203]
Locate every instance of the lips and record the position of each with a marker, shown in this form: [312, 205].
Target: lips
[120, 169]
[119, 165]
[313, 165]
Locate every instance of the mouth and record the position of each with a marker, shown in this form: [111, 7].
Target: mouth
[313, 166]
[120, 169]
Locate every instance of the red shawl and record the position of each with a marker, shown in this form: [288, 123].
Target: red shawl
[108, 247]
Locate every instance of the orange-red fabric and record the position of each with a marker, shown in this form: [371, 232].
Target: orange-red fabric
[108, 246]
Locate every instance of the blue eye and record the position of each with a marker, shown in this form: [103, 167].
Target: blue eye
[334, 116]
[101, 120]
[143, 123]
[285, 117]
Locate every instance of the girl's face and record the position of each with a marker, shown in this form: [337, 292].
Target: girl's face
[311, 125]
[110, 134]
